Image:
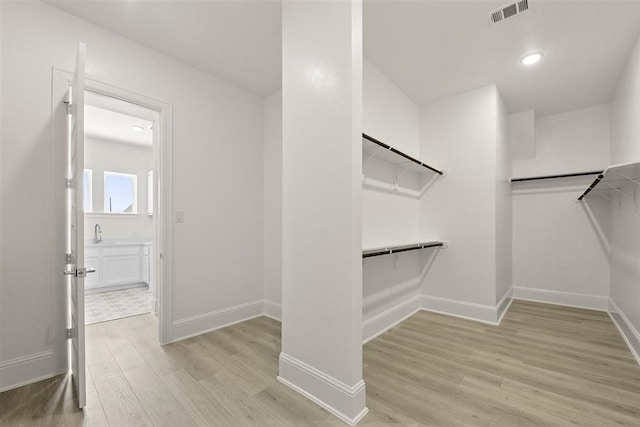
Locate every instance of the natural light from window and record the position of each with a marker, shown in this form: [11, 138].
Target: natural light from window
[120, 193]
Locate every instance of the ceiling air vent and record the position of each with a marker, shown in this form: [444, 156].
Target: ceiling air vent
[508, 11]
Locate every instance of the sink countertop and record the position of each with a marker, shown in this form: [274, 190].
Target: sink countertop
[109, 242]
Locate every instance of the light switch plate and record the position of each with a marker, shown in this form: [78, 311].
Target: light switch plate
[179, 217]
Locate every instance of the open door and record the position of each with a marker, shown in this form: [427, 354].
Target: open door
[75, 270]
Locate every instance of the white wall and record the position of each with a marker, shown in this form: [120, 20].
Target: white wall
[575, 141]
[217, 174]
[391, 117]
[560, 246]
[522, 134]
[2, 291]
[388, 218]
[100, 156]
[388, 113]
[504, 230]
[625, 105]
[625, 239]
[322, 237]
[460, 134]
[273, 204]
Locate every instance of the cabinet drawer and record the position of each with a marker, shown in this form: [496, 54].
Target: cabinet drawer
[120, 250]
[91, 252]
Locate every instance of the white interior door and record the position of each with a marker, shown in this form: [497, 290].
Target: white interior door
[75, 269]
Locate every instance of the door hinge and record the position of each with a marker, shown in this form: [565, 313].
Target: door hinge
[69, 259]
[68, 183]
[69, 333]
[68, 99]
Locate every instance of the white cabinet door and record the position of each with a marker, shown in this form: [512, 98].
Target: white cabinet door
[120, 270]
[92, 281]
[145, 269]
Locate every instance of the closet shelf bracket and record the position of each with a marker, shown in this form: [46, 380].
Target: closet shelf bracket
[615, 184]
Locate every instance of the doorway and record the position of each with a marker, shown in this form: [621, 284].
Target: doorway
[68, 90]
[161, 252]
[119, 220]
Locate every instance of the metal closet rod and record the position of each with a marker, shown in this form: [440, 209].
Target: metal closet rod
[397, 249]
[400, 153]
[593, 184]
[564, 175]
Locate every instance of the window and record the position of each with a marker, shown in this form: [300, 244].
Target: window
[87, 188]
[120, 193]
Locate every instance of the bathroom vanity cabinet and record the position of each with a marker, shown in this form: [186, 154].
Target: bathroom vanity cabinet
[118, 265]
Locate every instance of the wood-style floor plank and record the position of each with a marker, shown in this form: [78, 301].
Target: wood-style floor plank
[160, 405]
[119, 401]
[544, 365]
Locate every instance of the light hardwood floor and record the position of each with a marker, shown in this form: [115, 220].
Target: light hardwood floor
[544, 365]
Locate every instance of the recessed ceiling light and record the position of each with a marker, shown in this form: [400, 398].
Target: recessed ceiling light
[531, 58]
[137, 128]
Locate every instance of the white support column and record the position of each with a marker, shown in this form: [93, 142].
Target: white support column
[322, 172]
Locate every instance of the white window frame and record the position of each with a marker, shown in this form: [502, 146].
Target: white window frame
[135, 193]
[89, 173]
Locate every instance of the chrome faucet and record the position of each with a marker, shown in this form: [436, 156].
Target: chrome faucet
[97, 238]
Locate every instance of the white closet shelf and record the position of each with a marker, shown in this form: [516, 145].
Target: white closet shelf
[388, 250]
[615, 179]
[387, 153]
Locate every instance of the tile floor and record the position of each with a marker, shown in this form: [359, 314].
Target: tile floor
[113, 305]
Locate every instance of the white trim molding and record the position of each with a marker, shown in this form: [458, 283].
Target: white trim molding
[207, 322]
[345, 402]
[466, 310]
[569, 299]
[628, 331]
[163, 166]
[382, 322]
[503, 305]
[26, 370]
[273, 310]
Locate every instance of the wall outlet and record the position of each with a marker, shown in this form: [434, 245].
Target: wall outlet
[179, 217]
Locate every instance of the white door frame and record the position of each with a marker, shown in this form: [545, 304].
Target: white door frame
[163, 165]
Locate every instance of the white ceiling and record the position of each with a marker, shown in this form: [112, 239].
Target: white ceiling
[113, 120]
[117, 127]
[237, 41]
[430, 49]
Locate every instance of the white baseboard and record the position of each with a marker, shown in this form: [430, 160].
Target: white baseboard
[273, 310]
[25, 370]
[203, 323]
[381, 323]
[628, 331]
[345, 402]
[569, 299]
[466, 310]
[503, 305]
